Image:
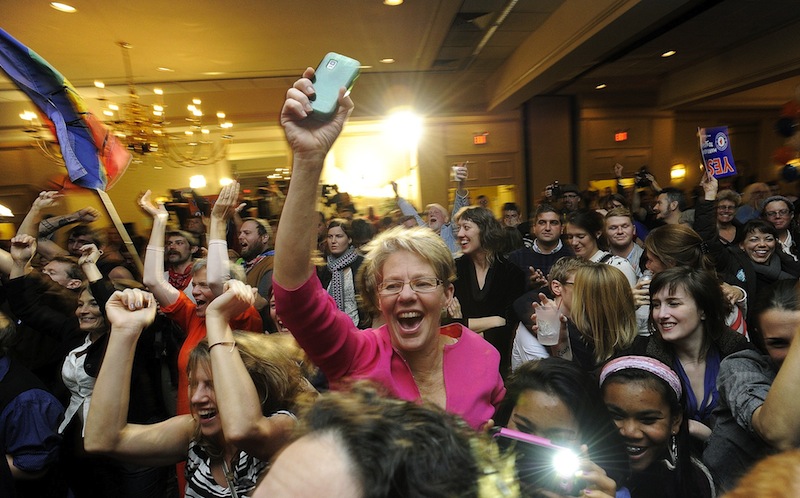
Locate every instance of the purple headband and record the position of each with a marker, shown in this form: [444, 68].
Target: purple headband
[647, 364]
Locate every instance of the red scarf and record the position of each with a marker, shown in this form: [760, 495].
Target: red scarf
[180, 280]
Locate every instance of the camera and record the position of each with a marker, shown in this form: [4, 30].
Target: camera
[641, 177]
[553, 191]
[540, 464]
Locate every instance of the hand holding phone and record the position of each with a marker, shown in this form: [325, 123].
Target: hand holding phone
[334, 72]
[541, 464]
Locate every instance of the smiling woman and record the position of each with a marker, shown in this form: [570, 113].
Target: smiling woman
[644, 398]
[406, 274]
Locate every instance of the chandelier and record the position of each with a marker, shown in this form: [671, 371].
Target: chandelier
[145, 130]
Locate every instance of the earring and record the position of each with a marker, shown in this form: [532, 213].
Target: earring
[673, 453]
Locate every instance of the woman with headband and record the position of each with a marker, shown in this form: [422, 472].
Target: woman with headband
[644, 398]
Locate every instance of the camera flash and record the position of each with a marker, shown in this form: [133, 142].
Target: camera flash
[566, 463]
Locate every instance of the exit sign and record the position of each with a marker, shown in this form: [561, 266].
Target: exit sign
[480, 139]
[620, 136]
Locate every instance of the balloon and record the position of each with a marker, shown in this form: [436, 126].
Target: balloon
[789, 173]
[783, 155]
[786, 127]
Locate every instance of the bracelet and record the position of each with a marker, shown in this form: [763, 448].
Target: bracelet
[232, 344]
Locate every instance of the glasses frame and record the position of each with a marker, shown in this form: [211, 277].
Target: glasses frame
[411, 283]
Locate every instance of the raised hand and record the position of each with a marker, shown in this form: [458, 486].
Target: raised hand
[227, 203]
[710, 185]
[88, 215]
[130, 310]
[89, 254]
[155, 211]
[23, 247]
[310, 137]
[234, 300]
[46, 199]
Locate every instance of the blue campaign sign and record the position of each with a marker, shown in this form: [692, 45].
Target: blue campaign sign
[716, 150]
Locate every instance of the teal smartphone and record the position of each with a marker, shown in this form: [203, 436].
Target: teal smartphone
[334, 72]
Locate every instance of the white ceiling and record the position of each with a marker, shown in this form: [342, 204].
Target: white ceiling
[241, 55]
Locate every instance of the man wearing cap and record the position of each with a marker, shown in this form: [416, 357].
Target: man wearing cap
[570, 198]
[438, 219]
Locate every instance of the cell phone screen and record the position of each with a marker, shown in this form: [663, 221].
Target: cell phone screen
[538, 463]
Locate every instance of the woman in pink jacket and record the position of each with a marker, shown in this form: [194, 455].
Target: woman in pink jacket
[406, 274]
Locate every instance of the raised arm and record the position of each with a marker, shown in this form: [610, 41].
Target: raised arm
[405, 207]
[461, 200]
[223, 210]
[310, 141]
[153, 276]
[32, 223]
[243, 422]
[107, 429]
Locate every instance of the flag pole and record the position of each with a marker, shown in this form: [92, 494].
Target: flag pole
[112, 213]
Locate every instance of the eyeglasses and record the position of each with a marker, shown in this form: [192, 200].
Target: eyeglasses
[570, 196]
[421, 285]
[775, 214]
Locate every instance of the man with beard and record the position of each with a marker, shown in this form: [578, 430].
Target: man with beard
[438, 219]
[570, 198]
[669, 205]
[257, 257]
[178, 261]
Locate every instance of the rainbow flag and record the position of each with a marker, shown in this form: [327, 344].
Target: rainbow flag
[94, 157]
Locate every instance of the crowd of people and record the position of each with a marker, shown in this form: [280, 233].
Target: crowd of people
[351, 356]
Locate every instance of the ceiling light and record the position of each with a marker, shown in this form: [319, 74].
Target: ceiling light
[142, 128]
[165, 69]
[392, 3]
[600, 86]
[99, 84]
[668, 53]
[387, 60]
[62, 7]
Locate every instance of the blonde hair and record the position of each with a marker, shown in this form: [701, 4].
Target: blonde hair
[273, 368]
[421, 241]
[603, 309]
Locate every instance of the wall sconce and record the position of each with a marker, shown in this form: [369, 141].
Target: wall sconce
[677, 172]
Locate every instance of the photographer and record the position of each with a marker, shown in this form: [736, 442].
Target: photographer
[645, 191]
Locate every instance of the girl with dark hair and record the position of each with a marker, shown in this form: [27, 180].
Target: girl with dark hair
[687, 320]
[487, 283]
[756, 262]
[338, 276]
[671, 246]
[644, 398]
[557, 400]
[586, 236]
[759, 394]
